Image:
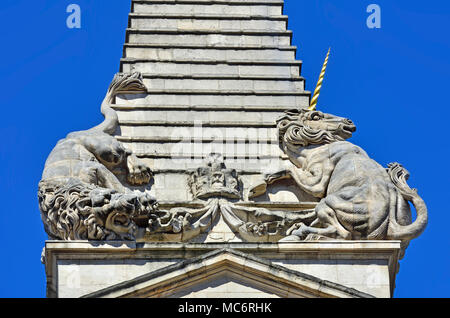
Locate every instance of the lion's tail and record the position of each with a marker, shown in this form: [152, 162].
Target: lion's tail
[399, 176]
[123, 83]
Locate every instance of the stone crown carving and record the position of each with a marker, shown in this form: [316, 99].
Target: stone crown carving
[214, 180]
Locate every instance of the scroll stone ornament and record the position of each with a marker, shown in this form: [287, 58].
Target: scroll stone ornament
[80, 195]
[217, 189]
[359, 198]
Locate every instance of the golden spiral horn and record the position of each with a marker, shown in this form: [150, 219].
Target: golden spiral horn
[315, 98]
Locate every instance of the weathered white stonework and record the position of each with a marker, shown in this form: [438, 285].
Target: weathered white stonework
[307, 269]
[215, 168]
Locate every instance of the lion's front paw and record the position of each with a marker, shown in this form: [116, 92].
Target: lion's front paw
[300, 230]
[138, 172]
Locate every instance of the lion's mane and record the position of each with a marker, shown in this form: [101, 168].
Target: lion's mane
[72, 211]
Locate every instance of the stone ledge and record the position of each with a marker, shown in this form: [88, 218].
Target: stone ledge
[226, 92]
[184, 172]
[199, 100]
[207, 62]
[262, 7]
[161, 155]
[210, 31]
[170, 140]
[340, 262]
[193, 124]
[208, 16]
[223, 77]
[357, 247]
[214, 47]
[230, 2]
[200, 108]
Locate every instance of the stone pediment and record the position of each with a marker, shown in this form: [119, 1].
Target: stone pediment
[227, 273]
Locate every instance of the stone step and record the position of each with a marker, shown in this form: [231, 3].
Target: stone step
[237, 2]
[233, 46]
[192, 116]
[209, 38]
[215, 85]
[201, 138]
[201, 123]
[208, 22]
[132, 106]
[189, 150]
[137, 51]
[297, 100]
[194, 140]
[262, 8]
[249, 164]
[199, 130]
[210, 67]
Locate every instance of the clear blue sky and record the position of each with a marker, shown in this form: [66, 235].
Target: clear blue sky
[393, 82]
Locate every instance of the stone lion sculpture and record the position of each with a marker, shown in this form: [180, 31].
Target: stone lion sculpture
[80, 194]
[359, 198]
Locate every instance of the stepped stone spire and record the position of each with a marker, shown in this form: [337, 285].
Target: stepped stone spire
[228, 66]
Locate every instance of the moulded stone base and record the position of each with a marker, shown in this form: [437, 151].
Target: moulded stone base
[104, 269]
